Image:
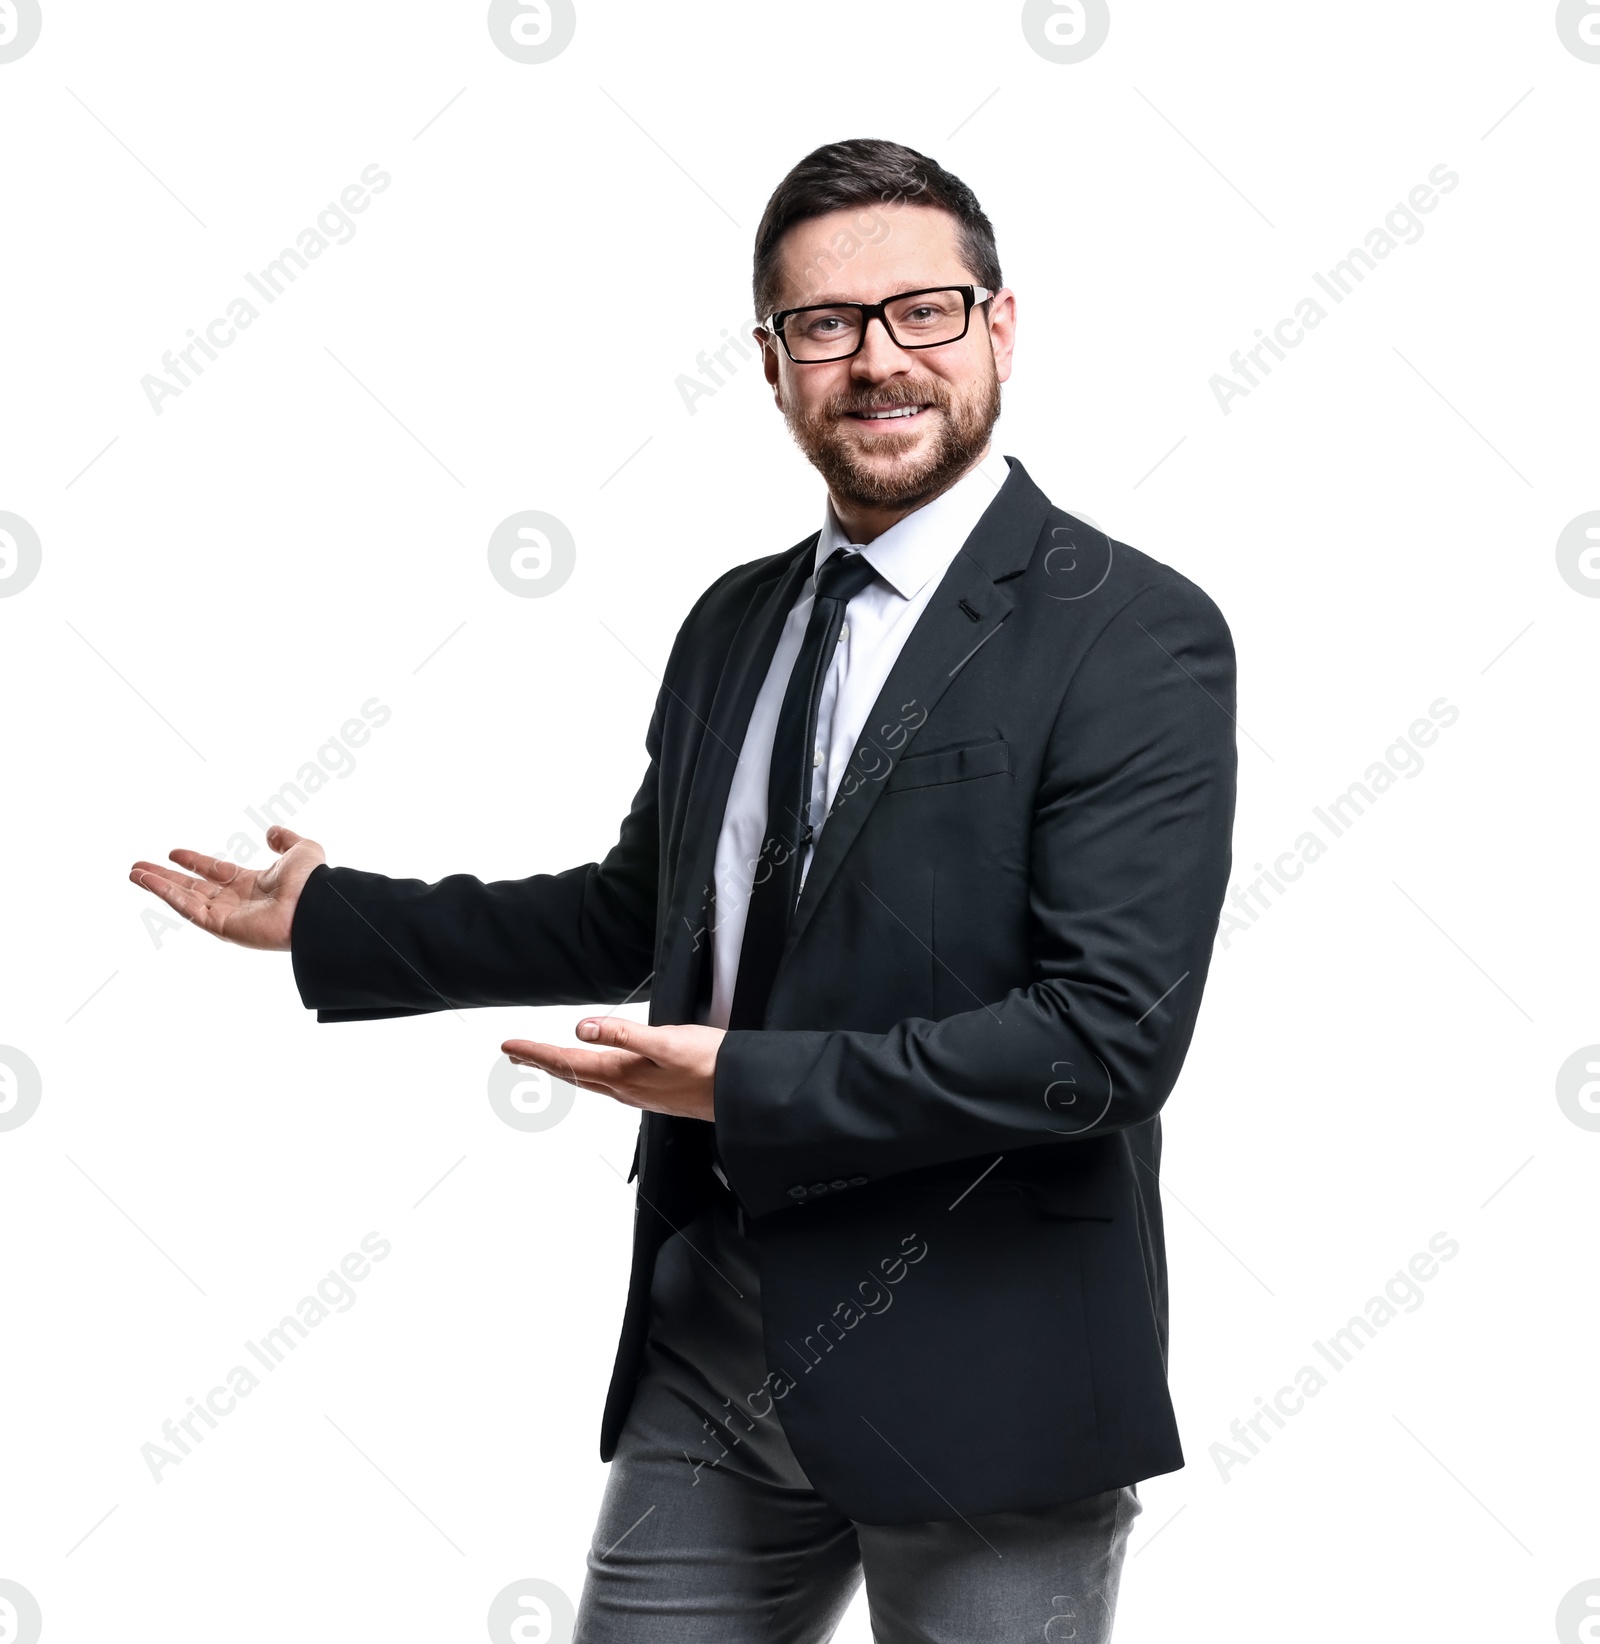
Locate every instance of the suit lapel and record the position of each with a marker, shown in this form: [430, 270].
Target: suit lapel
[965, 613]
[739, 684]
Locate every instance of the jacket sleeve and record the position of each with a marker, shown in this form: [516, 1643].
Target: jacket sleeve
[365, 946]
[1130, 856]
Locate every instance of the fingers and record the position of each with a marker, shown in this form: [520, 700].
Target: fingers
[663, 1069]
[602, 1070]
[194, 907]
[216, 869]
[166, 875]
[176, 888]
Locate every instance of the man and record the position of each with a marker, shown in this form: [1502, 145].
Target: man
[921, 884]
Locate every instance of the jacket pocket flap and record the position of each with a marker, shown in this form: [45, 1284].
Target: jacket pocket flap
[924, 770]
[1071, 1186]
[1074, 1201]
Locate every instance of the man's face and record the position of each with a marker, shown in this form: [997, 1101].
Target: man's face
[835, 408]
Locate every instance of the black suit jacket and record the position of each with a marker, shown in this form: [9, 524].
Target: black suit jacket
[947, 1135]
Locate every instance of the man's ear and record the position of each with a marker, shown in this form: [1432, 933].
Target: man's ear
[769, 363]
[1003, 330]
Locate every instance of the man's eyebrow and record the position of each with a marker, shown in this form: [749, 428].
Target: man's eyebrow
[899, 291]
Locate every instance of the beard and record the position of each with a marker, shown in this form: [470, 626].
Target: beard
[878, 479]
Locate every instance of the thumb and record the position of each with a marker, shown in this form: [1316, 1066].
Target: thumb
[621, 1034]
[281, 838]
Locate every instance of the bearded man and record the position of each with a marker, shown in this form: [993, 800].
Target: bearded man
[921, 884]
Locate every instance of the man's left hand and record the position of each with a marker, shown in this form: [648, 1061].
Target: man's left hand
[663, 1069]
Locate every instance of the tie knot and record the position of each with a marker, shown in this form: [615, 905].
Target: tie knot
[843, 576]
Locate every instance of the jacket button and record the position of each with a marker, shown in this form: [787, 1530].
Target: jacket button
[819, 1187]
[858, 1181]
[797, 1192]
[836, 1186]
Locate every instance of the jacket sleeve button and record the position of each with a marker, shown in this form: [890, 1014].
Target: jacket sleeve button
[858, 1181]
[836, 1186]
[819, 1187]
[797, 1192]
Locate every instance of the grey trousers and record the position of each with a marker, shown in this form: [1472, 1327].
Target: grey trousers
[710, 1532]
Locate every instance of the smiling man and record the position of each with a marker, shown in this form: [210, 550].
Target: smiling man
[920, 884]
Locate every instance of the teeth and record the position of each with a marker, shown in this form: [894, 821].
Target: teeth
[880, 416]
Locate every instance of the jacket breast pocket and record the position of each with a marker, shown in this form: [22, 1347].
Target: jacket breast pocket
[963, 764]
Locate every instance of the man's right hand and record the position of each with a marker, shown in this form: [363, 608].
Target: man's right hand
[256, 910]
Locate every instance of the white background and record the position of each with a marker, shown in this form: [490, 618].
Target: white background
[229, 580]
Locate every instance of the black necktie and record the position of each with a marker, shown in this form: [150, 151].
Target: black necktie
[788, 831]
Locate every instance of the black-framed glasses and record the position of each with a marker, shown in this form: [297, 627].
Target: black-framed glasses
[927, 318]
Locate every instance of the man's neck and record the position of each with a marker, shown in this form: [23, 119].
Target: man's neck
[864, 523]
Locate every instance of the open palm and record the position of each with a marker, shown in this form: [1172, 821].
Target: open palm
[256, 910]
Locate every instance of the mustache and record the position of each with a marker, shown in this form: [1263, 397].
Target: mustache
[888, 398]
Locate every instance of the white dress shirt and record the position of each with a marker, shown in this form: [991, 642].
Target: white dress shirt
[910, 560]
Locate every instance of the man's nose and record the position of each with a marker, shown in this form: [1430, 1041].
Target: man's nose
[880, 355]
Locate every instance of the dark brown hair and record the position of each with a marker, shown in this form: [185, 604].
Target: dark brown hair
[865, 172]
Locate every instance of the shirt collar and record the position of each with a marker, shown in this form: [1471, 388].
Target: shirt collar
[927, 539]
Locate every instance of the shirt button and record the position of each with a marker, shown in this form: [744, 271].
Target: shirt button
[816, 759]
[843, 633]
